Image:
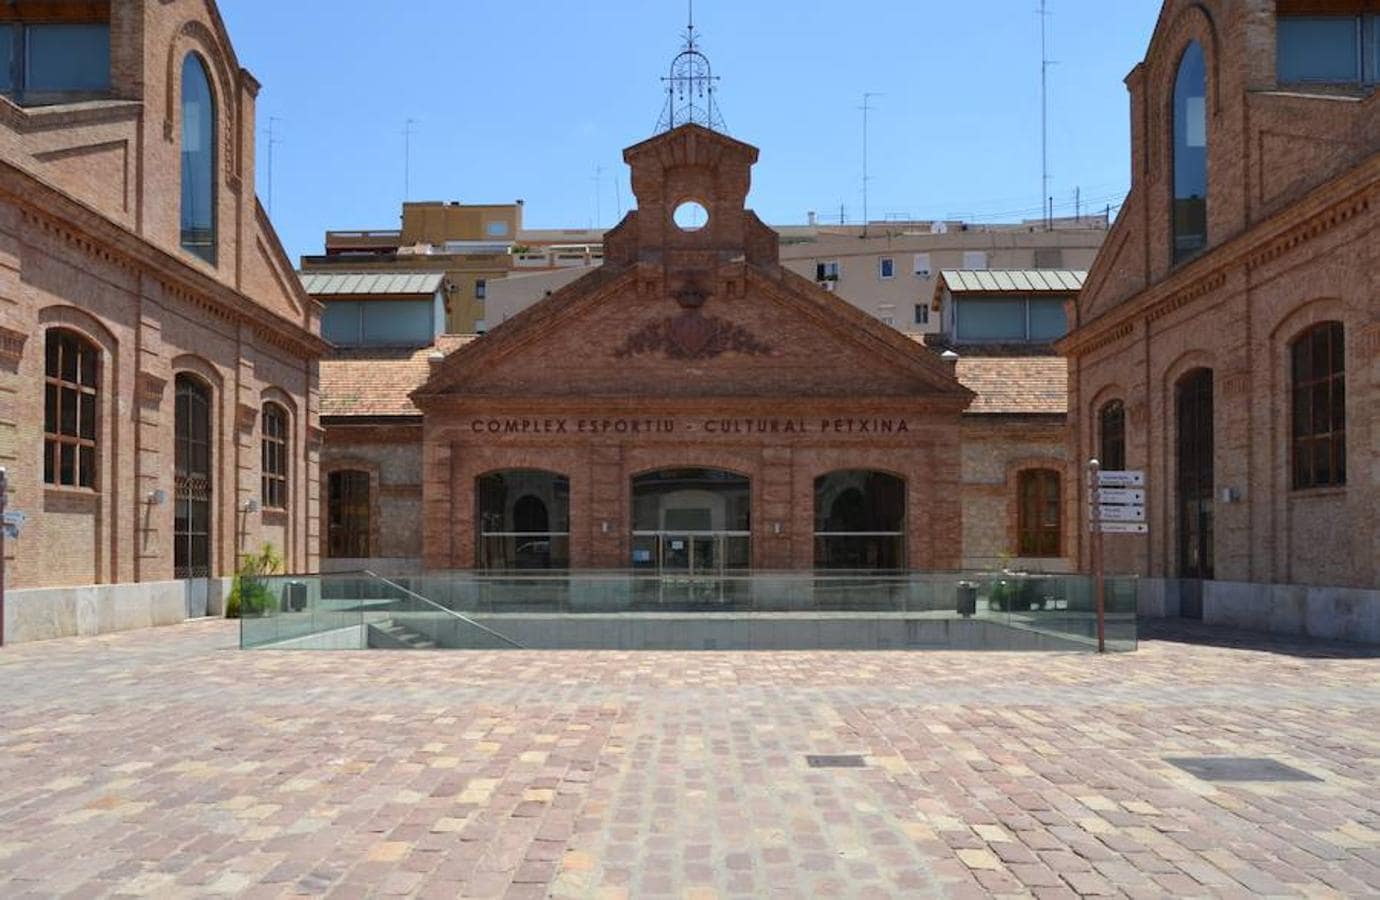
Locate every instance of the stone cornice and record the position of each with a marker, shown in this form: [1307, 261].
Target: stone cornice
[65, 218]
[26, 120]
[1328, 208]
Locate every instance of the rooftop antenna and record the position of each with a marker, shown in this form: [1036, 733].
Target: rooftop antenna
[272, 141]
[1046, 201]
[690, 87]
[407, 158]
[598, 180]
[866, 108]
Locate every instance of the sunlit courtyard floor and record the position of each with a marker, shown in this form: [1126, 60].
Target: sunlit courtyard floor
[169, 763]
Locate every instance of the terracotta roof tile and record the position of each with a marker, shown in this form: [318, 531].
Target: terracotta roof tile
[1016, 384]
[375, 381]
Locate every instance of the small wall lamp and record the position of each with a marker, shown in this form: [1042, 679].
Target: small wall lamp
[157, 497]
[251, 505]
[775, 527]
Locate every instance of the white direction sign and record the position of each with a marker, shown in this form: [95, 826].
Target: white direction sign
[1124, 528]
[1121, 478]
[1107, 513]
[1121, 495]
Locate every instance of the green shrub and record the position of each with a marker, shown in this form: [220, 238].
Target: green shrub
[249, 596]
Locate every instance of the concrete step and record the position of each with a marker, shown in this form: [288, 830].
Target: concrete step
[409, 639]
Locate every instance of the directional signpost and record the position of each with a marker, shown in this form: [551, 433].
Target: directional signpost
[1116, 505]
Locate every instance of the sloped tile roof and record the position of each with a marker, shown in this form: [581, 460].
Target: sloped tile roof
[1022, 281]
[1016, 384]
[376, 381]
[325, 284]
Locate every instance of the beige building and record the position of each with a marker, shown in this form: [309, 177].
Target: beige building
[1227, 340]
[473, 245]
[891, 273]
[158, 358]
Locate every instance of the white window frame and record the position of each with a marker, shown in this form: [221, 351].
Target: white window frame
[884, 263]
[922, 271]
[826, 268]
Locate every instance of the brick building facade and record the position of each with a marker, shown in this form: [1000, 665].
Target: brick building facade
[158, 357]
[1227, 340]
[690, 400]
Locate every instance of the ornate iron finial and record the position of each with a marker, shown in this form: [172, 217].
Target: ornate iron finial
[690, 87]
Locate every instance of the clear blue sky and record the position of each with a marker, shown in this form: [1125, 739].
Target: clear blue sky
[526, 100]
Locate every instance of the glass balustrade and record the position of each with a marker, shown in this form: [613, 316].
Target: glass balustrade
[549, 609]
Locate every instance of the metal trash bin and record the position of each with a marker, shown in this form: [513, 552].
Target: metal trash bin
[966, 602]
[294, 596]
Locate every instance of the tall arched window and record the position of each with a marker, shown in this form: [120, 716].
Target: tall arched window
[198, 160]
[72, 367]
[1038, 516]
[1111, 426]
[1189, 213]
[274, 457]
[1319, 406]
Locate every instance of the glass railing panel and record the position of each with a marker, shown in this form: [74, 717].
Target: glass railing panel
[738, 609]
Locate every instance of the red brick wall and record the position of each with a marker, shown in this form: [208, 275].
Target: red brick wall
[1293, 189]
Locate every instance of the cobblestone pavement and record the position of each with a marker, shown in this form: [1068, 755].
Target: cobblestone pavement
[168, 763]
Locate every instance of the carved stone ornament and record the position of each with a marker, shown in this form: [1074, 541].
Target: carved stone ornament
[151, 388]
[248, 415]
[692, 335]
[11, 345]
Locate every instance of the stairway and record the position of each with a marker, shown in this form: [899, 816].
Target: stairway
[392, 635]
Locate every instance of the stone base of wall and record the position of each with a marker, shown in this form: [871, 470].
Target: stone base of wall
[40, 614]
[1333, 613]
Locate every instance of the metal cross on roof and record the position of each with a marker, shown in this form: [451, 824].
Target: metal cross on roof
[690, 87]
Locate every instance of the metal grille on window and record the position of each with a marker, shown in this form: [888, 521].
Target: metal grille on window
[1112, 428]
[275, 457]
[1319, 407]
[192, 479]
[72, 369]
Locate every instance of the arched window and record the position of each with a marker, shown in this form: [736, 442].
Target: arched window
[1111, 426]
[1319, 407]
[1039, 530]
[72, 368]
[347, 514]
[1189, 213]
[524, 520]
[198, 161]
[860, 520]
[274, 474]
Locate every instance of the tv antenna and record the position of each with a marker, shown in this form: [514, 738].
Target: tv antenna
[272, 142]
[1046, 200]
[407, 158]
[866, 108]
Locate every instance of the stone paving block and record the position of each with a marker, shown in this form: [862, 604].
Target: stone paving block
[631, 774]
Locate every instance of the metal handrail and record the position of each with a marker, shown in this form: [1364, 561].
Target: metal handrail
[461, 616]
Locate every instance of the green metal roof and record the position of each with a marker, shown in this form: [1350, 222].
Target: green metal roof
[1014, 281]
[325, 284]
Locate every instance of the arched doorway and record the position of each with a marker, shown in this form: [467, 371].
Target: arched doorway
[1194, 484]
[860, 520]
[523, 520]
[695, 521]
[192, 490]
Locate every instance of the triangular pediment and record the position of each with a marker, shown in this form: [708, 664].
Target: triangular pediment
[752, 334]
